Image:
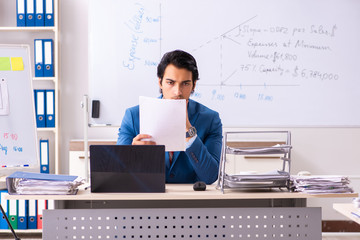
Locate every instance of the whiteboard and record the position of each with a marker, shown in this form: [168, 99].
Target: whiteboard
[261, 63]
[18, 139]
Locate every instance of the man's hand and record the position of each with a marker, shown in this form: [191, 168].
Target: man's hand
[142, 139]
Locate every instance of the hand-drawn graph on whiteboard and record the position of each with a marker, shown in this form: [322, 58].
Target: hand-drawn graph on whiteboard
[261, 63]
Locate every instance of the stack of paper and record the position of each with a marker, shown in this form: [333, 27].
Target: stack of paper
[321, 184]
[266, 180]
[42, 183]
[277, 149]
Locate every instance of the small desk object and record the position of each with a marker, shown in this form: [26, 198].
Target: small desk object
[182, 213]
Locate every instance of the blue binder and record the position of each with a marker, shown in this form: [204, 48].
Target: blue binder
[22, 213]
[30, 13]
[49, 13]
[37, 176]
[44, 156]
[20, 13]
[39, 58]
[39, 13]
[32, 216]
[48, 57]
[3, 201]
[50, 108]
[40, 105]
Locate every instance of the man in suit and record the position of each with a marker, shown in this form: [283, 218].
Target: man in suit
[178, 74]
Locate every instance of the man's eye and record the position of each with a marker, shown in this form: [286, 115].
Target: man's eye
[186, 83]
[170, 82]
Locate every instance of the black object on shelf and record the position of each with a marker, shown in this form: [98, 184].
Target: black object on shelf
[9, 224]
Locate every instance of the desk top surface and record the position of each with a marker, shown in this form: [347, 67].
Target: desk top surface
[348, 210]
[185, 192]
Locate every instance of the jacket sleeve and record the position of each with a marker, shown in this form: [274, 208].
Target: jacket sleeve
[204, 154]
[127, 129]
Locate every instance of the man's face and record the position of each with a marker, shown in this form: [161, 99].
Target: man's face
[177, 83]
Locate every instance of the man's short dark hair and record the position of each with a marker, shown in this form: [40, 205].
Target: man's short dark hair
[179, 59]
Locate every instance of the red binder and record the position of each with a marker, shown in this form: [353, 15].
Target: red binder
[42, 204]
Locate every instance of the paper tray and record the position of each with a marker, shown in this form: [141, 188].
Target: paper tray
[281, 149]
[256, 181]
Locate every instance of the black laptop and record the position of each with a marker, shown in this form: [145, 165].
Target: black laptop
[127, 168]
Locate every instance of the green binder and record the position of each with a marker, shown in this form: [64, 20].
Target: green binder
[13, 212]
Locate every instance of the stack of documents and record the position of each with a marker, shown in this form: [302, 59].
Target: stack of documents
[266, 180]
[321, 184]
[42, 183]
[277, 149]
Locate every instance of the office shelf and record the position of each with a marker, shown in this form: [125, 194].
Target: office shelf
[47, 129]
[21, 231]
[53, 79]
[26, 35]
[35, 29]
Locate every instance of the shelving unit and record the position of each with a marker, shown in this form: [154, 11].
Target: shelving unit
[27, 231]
[10, 34]
[278, 178]
[28, 28]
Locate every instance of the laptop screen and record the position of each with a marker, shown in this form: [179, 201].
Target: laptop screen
[127, 168]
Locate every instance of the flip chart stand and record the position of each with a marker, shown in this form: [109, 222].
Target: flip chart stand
[84, 106]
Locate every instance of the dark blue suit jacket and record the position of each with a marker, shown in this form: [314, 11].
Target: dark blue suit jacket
[200, 162]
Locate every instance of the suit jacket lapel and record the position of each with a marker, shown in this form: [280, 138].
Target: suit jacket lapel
[193, 114]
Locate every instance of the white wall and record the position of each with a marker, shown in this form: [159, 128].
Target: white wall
[74, 76]
[318, 150]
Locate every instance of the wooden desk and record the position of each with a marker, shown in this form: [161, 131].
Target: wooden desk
[182, 213]
[347, 209]
[186, 192]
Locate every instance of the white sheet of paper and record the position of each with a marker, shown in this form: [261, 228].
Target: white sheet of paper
[165, 121]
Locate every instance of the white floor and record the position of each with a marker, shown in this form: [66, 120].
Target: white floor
[341, 238]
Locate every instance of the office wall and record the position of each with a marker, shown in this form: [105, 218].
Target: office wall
[318, 150]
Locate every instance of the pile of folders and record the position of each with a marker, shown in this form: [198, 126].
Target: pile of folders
[27, 183]
[44, 107]
[35, 13]
[322, 184]
[43, 57]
